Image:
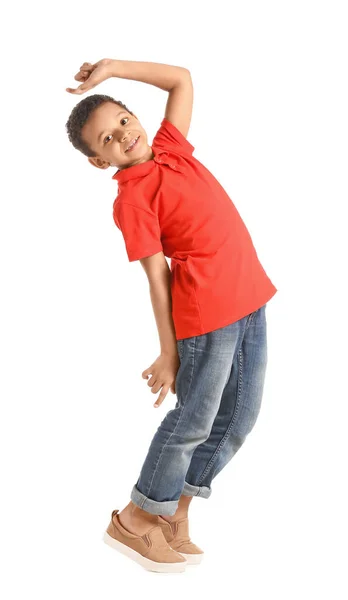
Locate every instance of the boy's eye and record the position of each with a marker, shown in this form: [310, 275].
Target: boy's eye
[124, 119]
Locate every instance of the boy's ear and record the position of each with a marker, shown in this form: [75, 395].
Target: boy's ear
[98, 162]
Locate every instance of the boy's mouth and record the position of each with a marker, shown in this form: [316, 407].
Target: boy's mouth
[132, 144]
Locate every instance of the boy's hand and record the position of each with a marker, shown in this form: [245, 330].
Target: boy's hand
[92, 75]
[163, 372]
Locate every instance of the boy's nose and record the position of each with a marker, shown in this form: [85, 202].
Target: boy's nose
[125, 137]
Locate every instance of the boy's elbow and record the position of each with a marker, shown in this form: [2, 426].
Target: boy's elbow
[155, 267]
[187, 72]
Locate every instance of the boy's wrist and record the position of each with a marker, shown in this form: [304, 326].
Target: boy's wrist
[169, 349]
[115, 68]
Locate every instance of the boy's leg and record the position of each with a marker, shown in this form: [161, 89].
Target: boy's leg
[206, 363]
[238, 411]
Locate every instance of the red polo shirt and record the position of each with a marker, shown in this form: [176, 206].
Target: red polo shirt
[173, 204]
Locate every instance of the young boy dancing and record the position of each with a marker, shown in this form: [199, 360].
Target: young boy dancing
[209, 305]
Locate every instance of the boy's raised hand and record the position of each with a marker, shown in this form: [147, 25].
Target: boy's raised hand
[92, 75]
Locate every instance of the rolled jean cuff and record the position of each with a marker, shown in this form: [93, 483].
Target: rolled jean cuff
[168, 507]
[196, 490]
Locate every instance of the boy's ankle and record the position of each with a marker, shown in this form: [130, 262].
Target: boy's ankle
[137, 518]
[175, 517]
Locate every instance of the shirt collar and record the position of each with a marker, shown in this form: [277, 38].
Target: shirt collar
[160, 156]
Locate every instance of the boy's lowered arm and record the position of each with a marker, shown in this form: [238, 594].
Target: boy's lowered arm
[159, 277]
[175, 80]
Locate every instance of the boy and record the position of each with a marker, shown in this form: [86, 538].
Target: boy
[209, 305]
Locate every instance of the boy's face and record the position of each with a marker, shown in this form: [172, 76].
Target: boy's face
[109, 131]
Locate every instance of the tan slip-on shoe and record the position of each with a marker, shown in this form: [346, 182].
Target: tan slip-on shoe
[150, 550]
[177, 536]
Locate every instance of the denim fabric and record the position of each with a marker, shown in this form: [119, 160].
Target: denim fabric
[219, 387]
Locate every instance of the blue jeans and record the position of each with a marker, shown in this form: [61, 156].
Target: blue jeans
[219, 387]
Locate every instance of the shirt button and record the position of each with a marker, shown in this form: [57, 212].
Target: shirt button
[173, 166]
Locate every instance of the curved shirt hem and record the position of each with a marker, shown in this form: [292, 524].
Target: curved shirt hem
[232, 319]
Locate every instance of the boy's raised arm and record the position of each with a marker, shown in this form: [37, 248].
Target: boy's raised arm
[175, 80]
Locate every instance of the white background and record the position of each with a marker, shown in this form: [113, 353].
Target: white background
[77, 327]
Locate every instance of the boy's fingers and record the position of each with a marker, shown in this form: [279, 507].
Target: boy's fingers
[80, 90]
[147, 372]
[162, 396]
[82, 74]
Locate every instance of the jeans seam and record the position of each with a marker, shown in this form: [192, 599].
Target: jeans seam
[141, 501]
[178, 421]
[251, 318]
[232, 422]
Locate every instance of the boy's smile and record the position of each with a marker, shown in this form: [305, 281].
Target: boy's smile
[111, 131]
[132, 144]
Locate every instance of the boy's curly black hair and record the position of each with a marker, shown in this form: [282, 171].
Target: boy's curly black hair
[79, 116]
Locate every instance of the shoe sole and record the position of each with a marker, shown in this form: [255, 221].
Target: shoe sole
[192, 559]
[147, 563]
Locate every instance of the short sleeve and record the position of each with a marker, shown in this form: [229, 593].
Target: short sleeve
[140, 229]
[169, 136]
